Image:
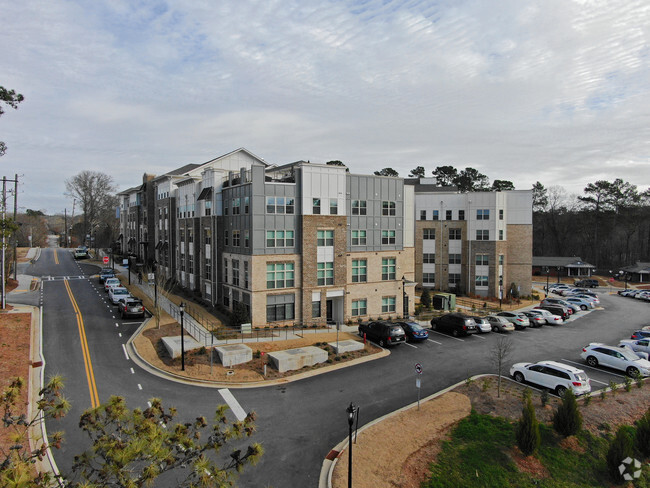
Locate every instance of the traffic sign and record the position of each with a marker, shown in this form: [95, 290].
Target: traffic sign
[418, 368]
[105, 259]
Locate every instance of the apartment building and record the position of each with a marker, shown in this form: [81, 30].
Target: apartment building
[476, 242]
[306, 243]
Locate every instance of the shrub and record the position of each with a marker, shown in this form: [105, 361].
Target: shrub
[642, 435]
[603, 394]
[528, 437]
[587, 399]
[613, 386]
[628, 383]
[567, 419]
[639, 380]
[527, 394]
[425, 298]
[544, 397]
[620, 448]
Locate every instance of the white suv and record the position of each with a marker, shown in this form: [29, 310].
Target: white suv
[615, 357]
[550, 374]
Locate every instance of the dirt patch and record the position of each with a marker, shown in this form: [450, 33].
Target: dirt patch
[422, 438]
[197, 363]
[14, 350]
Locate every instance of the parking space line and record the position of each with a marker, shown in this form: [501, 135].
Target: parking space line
[414, 347]
[431, 340]
[595, 369]
[126, 354]
[596, 381]
[479, 336]
[451, 337]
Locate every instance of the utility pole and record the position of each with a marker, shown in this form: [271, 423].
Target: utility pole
[15, 232]
[4, 241]
[65, 227]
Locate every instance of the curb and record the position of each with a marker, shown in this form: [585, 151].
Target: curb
[145, 365]
[327, 468]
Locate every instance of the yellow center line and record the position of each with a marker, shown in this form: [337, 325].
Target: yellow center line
[90, 375]
[56, 257]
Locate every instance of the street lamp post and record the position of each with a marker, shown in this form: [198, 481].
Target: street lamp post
[548, 272]
[182, 310]
[405, 299]
[352, 411]
[500, 291]
[155, 285]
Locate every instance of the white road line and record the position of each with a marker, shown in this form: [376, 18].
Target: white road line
[126, 354]
[117, 324]
[149, 403]
[233, 404]
[595, 369]
[119, 334]
[479, 336]
[414, 347]
[596, 381]
[451, 337]
[431, 340]
[139, 386]
[132, 371]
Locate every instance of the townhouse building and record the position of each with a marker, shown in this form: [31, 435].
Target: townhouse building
[306, 243]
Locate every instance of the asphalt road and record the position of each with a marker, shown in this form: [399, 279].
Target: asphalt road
[298, 423]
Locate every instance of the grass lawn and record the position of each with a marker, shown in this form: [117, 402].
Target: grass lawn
[480, 454]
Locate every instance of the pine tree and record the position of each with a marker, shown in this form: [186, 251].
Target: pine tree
[642, 435]
[567, 419]
[528, 437]
[425, 298]
[620, 447]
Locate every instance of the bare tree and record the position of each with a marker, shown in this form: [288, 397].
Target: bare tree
[94, 192]
[500, 354]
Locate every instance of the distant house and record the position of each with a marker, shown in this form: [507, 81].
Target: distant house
[639, 272]
[562, 266]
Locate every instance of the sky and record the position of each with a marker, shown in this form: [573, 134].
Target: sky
[556, 91]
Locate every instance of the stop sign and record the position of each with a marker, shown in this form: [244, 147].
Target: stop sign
[105, 259]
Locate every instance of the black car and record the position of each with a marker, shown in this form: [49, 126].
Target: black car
[454, 323]
[587, 283]
[383, 333]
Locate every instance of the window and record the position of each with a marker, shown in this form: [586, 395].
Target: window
[481, 280]
[324, 238]
[279, 275]
[245, 274]
[387, 304]
[316, 206]
[454, 234]
[270, 205]
[246, 204]
[290, 205]
[461, 215]
[315, 309]
[225, 207]
[235, 272]
[279, 238]
[483, 214]
[482, 260]
[500, 235]
[388, 237]
[190, 235]
[225, 237]
[358, 207]
[190, 265]
[236, 206]
[182, 260]
[275, 205]
[359, 307]
[208, 208]
[207, 232]
[358, 237]
[334, 206]
[225, 271]
[247, 239]
[501, 259]
[208, 269]
[387, 208]
[448, 215]
[388, 269]
[325, 273]
[435, 215]
[226, 296]
[423, 215]
[282, 311]
[482, 235]
[454, 278]
[235, 238]
[429, 258]
[500, 214]
[359, 270]
[428, 233]
[454, 259]
[428, 278]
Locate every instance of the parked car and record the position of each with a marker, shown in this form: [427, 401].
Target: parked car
[454, 323]
[644, 295]
[500, 324]
[117, 292]
[557, 288]
[106, 273]
[383, 333]
[637, 345]
[130, 307]
[556, 376]
[640, 334]
[413, 331]
[587, 283]
[558, 310]
[482, 324]
[550, 318]
[559, 301]
[580, 302]
[535, 319]
[111, 282]
[587, 296]
[518, 319]
[620, 358]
